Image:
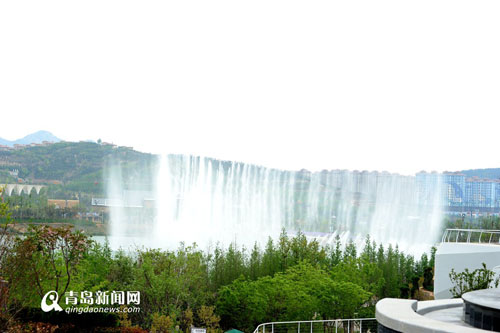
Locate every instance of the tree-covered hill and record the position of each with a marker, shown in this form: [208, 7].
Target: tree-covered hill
[80, 167]
[491, 173]
[76, 166]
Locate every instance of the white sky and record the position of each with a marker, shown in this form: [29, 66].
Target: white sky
[377, 85]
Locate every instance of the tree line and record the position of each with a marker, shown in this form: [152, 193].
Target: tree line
[290, 278]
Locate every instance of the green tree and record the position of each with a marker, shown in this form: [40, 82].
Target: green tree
[302, 292]
[209, 319]
[255, 263]
[481, 278]
[6, 243]
[187, 320]
[162, 324]
[170, 282]
[270, 259]
[94, 271]
[5, 237]
[336, 252]
[45, 259]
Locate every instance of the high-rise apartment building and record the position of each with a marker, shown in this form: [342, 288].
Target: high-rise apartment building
[461, 193]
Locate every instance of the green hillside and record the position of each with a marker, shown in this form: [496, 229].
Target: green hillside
[78, 167]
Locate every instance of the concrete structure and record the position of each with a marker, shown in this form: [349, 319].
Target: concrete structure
[410, 316]
[20, 188]
[476, 311]
[482, 309]
[127, 199]
[107, 202]
[59, 204]
[460, 249]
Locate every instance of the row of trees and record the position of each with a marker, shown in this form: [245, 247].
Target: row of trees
[36, 207]
[291, 278]
[466, 222]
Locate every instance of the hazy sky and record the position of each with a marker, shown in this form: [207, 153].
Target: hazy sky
[386, 85]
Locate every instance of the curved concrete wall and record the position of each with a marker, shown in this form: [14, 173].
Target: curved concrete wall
[400, 315]
[460, 256]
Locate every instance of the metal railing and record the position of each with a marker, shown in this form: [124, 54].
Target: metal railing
[471, 236]
[363, 325]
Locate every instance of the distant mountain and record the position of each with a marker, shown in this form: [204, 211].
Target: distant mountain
[492, 173]
[37, 137]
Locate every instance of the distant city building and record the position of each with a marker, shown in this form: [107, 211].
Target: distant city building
[462, 194]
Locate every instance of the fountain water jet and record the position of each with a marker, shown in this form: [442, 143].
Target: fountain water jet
[206, 201]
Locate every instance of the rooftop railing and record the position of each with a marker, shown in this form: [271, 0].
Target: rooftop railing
[320, 326]
[471, 236]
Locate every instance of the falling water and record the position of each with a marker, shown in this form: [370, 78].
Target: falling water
[114, 202]
[206, 201]
[202, 200]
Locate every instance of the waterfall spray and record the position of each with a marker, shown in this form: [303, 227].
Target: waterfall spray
[207, 201]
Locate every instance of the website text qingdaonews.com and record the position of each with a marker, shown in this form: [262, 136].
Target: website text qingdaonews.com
[80, 310]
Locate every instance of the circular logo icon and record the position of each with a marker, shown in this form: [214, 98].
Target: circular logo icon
[53, 297]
